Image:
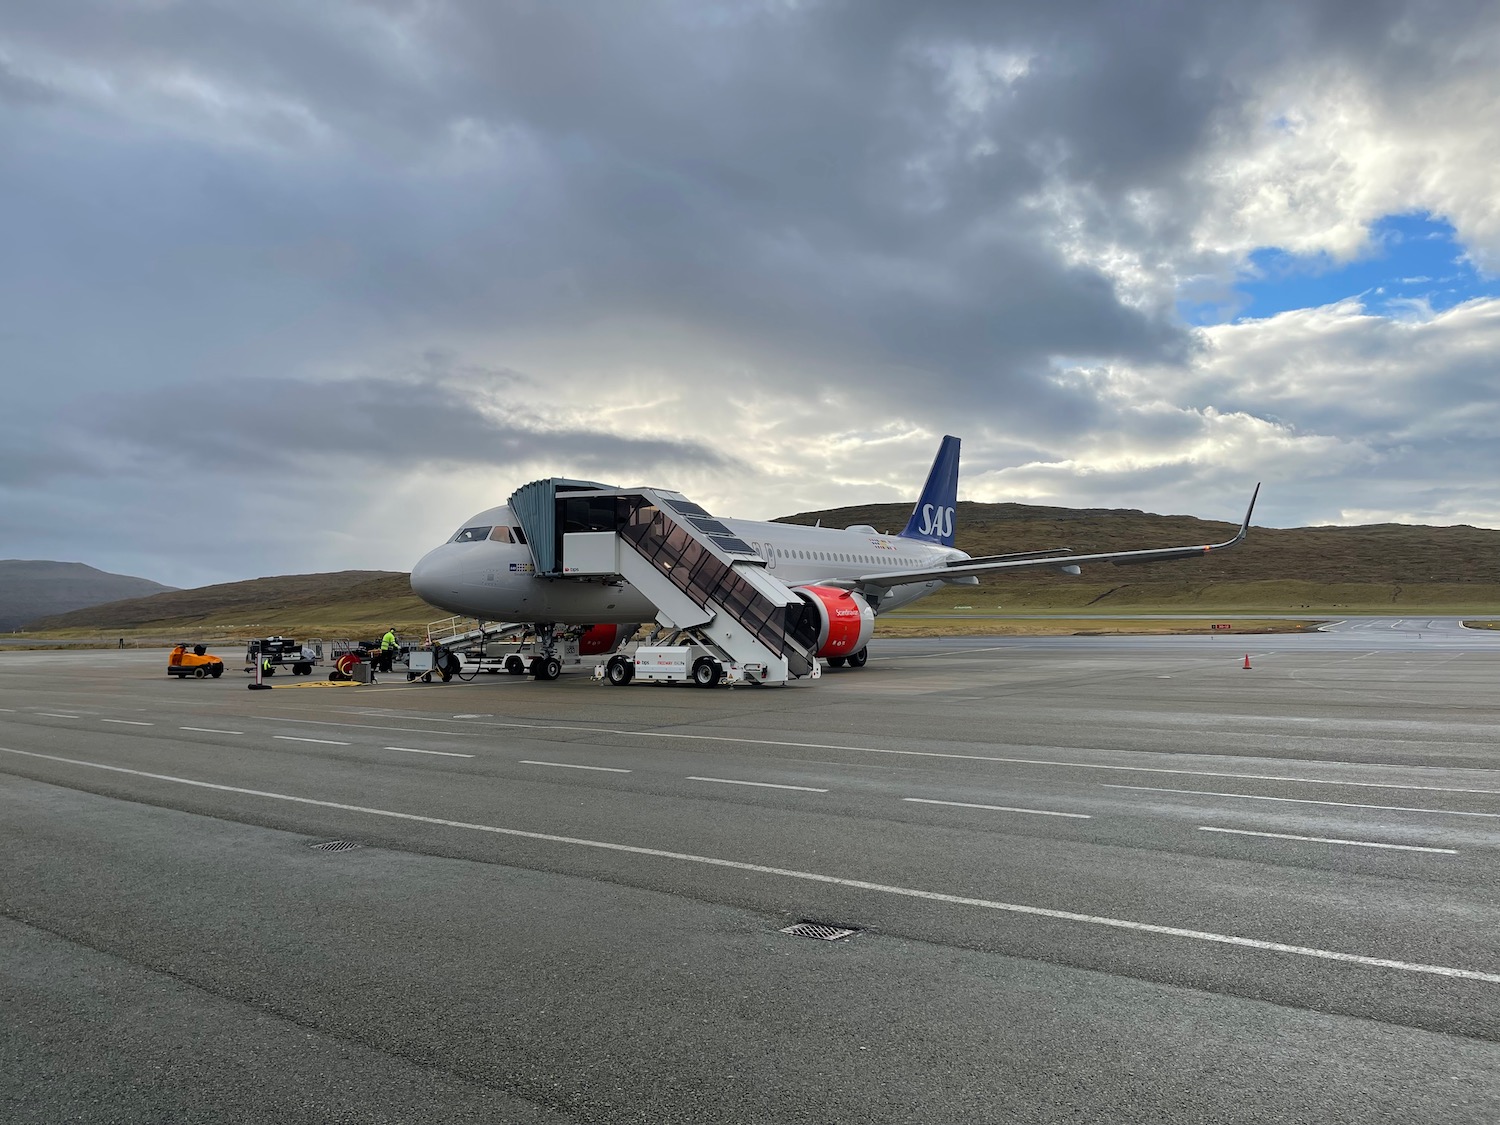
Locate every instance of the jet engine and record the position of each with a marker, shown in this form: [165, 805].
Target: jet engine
[598, 640]
[845, 620]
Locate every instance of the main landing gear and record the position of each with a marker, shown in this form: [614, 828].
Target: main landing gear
[545, 665]
[854, 659]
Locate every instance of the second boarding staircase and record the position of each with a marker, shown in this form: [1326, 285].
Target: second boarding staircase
[701, 577]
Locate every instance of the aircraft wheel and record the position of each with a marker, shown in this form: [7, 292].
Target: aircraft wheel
[706, 672]
[858, 659]
[546, 667]
[836, 661]
[619, 671]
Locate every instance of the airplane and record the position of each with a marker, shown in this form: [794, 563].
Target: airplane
[487, 570]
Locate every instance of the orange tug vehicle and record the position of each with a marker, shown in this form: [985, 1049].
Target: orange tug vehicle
[195, 662]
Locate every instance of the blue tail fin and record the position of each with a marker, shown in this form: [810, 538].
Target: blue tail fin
[932, 519]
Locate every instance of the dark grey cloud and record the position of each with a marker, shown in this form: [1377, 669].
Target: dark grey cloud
[19, 90]
[390, 425]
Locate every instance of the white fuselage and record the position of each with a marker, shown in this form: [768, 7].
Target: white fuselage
[496, 580]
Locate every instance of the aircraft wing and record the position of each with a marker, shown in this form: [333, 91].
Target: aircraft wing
[963, 568]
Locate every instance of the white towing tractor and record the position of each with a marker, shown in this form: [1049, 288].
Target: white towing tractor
[680, 664]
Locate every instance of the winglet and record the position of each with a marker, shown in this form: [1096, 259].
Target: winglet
[1245, 527]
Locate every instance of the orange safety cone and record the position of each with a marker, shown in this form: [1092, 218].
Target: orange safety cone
[1247, 662]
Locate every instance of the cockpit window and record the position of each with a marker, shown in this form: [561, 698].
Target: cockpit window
[501, 534]
[471, 535]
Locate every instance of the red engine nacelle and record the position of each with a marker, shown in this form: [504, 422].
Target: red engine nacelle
[845, 620]
[599, 640]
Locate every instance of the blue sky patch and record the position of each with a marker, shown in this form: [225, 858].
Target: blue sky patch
[1410, 258]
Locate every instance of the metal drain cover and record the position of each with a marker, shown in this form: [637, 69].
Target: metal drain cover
[335, 846]
[819, 931]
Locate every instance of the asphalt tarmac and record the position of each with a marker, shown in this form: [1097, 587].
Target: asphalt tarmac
[1103, 879]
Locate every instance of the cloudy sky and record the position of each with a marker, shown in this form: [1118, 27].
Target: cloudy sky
[291, 287]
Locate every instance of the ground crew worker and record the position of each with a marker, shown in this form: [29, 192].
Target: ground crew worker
[388, 648]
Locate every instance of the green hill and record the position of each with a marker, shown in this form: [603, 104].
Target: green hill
[31, 588]
[345, 603]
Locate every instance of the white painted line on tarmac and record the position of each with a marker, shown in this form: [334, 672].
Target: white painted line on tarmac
[915, 754]
[571, 766]
[810, 876]
[211, 730]
[997, 808]
[439, 753]
[320, 741]
[759, 784]
[128, 722]
[1303, 801]
[56, 715]
[957, 652]
[1330, 840]
[1191, 773]
[373, 726]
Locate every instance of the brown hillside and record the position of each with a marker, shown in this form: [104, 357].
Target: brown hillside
[1377, 554]
[233, 603]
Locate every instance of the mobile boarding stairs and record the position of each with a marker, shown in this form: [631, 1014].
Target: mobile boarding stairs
[712, 592]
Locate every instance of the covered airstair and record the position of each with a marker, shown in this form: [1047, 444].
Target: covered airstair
[706, 583]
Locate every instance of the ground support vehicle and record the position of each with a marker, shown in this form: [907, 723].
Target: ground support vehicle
[194, 661]
[345, 664]
[346, 654]
[694, 662]
[283, 652]
[437, 661]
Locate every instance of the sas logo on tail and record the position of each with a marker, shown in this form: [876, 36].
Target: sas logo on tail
[936, 521]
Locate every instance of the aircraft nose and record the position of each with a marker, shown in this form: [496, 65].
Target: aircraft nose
[435, 578]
